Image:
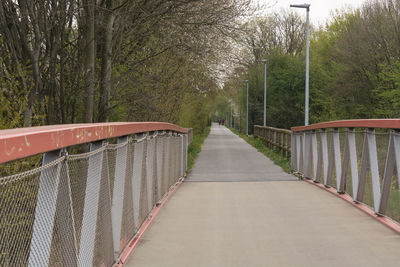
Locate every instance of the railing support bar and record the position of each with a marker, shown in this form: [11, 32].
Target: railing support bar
[91, 206]
[118, 192]
[45, 211]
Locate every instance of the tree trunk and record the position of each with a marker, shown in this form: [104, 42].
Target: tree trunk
[90, 59]
[105, 86]
[35, 63]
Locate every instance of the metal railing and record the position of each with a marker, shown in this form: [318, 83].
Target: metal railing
[357, 157]
[277, 139]
[84, 209]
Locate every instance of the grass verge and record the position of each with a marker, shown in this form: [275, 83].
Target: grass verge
[260, 145]
[195, 147]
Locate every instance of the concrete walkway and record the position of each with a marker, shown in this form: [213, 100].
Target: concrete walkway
[267, 219]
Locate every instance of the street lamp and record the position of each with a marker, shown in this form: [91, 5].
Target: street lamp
[247, 106]
[307, 7]
[230, 119]
[240, 113]
[265, 89]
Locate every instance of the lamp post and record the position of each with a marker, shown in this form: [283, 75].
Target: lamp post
[240, 113]
[247, 107]
[265, 89]
[230, 119]
[307, 7]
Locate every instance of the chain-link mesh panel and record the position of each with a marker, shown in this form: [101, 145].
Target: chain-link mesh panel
[393, 208]
[173, 161]
[331, 159]
[185, 145]
[64, 251]
[155, 171]
[78, 203]
[368, 197]
[89, 237]
[112, 163]
[349, 179]
[78, 169]
[160, 166]
[137, 179]
[166, 164]
[19, 211]
[17, 207]
[103, 253]
[172, 156]
[143, 204]
[149, 173]
[128, 222]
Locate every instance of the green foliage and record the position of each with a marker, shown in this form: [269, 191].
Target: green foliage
[195, 113]
[195, 147]
[388, 91]
[354, 70]
[13, 97]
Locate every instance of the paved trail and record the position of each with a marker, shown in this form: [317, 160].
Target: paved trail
[238, 209]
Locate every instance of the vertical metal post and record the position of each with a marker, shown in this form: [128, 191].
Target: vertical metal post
[331, 162]
[392, 160]
[324, 151]
[298, 151]
[387, 176]
[319, 164]
[307, 157]
[118, 192]
[167, 162]
[353, 160]
[265, 89]
[137, 178]
[363, 171]
[370, 152]
[373, 161]
[307, 67]
[307, 7]
[160, 163]
[265, 93]
[293, 152]
[186, 151]
[314, 150]
[183, 155]
[338, 163]
[65, 222]
[304, 154]
[150, 172]
[240, 113]
[345, 165]
[45, 211]
[230, 117]
[91, 206]
[247, 108]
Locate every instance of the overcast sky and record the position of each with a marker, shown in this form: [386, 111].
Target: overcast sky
[320, 10]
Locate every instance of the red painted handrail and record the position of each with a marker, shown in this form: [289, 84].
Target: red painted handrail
[24, 142]
[366, 123]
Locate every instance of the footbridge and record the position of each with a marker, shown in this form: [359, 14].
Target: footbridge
[116, 194]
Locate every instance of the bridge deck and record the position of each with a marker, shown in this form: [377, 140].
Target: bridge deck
[267, 219]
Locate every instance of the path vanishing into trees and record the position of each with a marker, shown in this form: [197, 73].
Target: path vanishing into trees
[237, 208]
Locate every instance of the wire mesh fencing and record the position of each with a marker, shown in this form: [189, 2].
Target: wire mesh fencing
[363, 163]
[83, 209]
